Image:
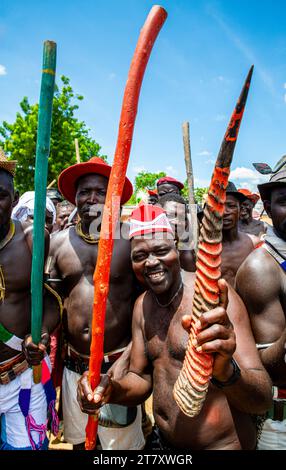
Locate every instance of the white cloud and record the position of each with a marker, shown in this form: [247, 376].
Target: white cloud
[171, 171]
[204, 153]
[243, 173]
[211, 161]
[3, 70]
[111, 76]
[247, 178]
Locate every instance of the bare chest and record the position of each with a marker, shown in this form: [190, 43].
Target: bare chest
[77, 261]
[165, 337]
[233, 255]
[16, 262]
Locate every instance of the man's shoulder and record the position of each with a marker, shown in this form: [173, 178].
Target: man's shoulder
[259, 262]
[59, 239]
[258, 277]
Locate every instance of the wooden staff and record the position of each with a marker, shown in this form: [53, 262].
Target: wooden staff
[41, 174]
[190, 181]
[191, 387]
[148, 34]
[51, 184]
[188, 161]
[77, 151]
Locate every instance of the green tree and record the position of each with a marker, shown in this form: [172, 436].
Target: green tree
[146, 180]
[20, 137]
[199, 193]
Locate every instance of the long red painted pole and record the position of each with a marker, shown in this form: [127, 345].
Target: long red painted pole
[191, 387]
[148, 35]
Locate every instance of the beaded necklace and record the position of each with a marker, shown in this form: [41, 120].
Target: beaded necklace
[87, 238]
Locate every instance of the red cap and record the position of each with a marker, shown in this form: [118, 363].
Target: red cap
[249, 195]
[169, 179]
[69, 176]
[148, 219]
[152, 192]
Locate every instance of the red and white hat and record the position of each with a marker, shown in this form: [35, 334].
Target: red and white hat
[148, 219]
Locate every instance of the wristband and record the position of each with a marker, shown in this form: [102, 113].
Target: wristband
[233, 378]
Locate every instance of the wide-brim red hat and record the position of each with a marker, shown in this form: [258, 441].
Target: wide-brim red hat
[68, 178]
[249, 195]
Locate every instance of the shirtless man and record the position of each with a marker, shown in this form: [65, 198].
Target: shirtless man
[74, 253]
[158, 348]
[167, 184]
[246, 222]
[15, 325]
[236, 245]
[176, 209]
[261, 282]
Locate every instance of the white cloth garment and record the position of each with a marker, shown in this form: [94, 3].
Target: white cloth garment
[25, 207]
[273, 435]
[128, 438]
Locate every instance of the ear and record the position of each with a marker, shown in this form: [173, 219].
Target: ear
[16, 199]
[267, 207]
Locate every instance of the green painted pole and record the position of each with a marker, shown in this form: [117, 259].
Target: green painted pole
[41, 175]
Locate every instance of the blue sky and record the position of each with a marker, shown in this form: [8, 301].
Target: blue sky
[197, 68]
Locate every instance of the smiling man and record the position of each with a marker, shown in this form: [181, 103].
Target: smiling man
[246, 221]
[159, 339]
[261, 282]
[74, 255]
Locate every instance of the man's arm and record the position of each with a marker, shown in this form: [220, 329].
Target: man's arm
[51, 310]
[133, 388]
[261, 295]
[252, 393]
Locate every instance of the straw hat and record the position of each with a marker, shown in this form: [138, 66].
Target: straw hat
[7, 165]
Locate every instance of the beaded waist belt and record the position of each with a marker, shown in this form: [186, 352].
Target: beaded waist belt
[11, 369]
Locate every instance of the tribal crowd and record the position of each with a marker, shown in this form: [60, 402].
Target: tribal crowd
[148, 318]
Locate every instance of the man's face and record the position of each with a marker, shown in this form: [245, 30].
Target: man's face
[246, 210]
[90, 197]
[155, 261]
[8, 198]
[48, 220]
[153, 200]
[63, 214]
[167, 188]
[231, 212]
[177, 216]
[276, 209]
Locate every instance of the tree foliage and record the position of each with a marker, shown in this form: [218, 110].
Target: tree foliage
[199, 193]
[146, 180]
[20, 137]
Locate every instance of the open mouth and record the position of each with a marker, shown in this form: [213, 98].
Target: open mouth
[156, 276]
